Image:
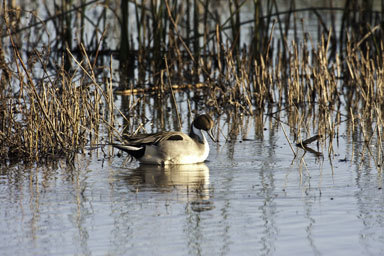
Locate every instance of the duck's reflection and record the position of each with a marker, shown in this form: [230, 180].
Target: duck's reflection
[189, 182]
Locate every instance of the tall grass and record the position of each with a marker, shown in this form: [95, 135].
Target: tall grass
[49, 112]
[57, 100]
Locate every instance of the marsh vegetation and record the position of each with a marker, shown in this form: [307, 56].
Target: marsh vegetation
[62, 65]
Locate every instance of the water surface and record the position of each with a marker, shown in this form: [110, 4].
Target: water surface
[251, 197]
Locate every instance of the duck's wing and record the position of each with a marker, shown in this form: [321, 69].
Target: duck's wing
[152, 138]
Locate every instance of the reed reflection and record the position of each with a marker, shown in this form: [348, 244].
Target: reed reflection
[370, 206]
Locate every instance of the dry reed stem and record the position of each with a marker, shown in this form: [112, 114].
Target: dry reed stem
[289, 142]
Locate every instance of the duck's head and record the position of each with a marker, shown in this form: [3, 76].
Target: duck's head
[204, 122]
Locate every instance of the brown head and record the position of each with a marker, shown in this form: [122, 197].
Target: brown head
[204, 122]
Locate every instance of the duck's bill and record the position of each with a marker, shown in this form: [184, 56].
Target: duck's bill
[211, 135]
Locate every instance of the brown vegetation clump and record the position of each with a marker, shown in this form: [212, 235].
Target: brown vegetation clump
[56, 90]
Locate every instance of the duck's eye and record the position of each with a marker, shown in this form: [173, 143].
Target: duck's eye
[175, 137]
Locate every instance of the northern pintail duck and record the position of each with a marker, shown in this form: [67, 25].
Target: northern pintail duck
[171, 147]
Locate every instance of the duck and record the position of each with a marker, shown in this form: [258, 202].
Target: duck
[171, 147]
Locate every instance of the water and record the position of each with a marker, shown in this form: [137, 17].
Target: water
[250, 198]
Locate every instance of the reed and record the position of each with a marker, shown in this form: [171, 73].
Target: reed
[311, 82]
[56, 114]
